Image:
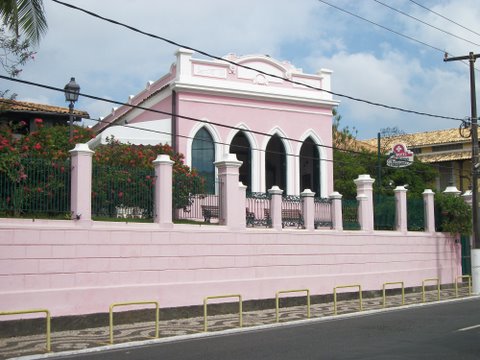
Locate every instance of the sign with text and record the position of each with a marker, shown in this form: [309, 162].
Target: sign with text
[400, 156]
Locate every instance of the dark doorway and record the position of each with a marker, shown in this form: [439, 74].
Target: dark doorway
[240, 146]
[276, 164]
[310, 167]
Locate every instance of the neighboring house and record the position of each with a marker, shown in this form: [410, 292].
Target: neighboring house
[281, 131]
[447, 150]
[13, 112]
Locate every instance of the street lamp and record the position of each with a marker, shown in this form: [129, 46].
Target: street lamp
[72, 89]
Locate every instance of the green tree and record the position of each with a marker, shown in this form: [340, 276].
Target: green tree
[24, 17]
[351, 159]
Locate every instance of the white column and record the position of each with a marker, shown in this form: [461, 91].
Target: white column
[163, 190]
[231, 214]
[276, 207]
[81, 183]
[400, 208]
[365, 201]
[429, 210]
[308, 209]
[337, 216]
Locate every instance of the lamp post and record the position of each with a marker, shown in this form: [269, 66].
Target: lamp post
[72, 89]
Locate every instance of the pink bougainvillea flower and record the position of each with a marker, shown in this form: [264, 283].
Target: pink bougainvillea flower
[37, 146]
[38, 121]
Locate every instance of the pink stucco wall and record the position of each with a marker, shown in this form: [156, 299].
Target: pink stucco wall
[77, 269]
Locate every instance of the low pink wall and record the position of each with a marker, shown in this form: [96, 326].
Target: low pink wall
[76, 269]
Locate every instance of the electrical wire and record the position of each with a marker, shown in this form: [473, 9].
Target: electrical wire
[445, 18]
[425, 23]
[359, 153]
[373, 103]
[388, 29]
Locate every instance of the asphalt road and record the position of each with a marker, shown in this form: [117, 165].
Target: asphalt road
[438, 331]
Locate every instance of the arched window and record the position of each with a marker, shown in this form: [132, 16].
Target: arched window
[203, 156]
[310, 167]
[240, 146]
[276, 164]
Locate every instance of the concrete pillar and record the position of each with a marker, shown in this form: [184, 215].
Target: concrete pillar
[276, 207]
[400, 208]
[364, 185]
[163, 191]
[429, 210]
[308, 209]
[337, 217]
[242, 203]
[475, 254]
[81, 183]
[232, 213]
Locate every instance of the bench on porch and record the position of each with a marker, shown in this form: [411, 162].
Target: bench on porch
[209, 212]
[289, 217]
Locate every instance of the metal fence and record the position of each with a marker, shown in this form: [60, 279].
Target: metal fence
[323, 213]
[415, 215]
[350, 214]
[35, 187]
[258, 209]
[123, 193]
[292, 211]
[193, 202]
[384, 212]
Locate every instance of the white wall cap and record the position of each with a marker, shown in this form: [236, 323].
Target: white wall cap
[81, 148]
[163, 159]
[307, 193]
[427, 191]
[275, 190]
[335, 195]
[400, 188]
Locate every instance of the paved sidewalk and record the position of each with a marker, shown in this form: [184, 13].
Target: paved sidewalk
[94, 337]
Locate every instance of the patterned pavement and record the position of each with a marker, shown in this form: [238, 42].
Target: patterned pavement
[94, 337]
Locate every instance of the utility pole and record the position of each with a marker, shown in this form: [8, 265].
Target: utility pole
[471, 57]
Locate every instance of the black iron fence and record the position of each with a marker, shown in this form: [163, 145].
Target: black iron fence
[258, 209]
[323, 213]
[384, 212]
[415, 214]
[122, 193]
[350, 214]
[35, 188]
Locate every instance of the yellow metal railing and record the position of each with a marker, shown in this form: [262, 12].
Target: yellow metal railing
[393, 283]
[157, 314]
[359, 287]
[437, 281]
[34, 311]
[461, 277]
[205, 314]
[277, 300]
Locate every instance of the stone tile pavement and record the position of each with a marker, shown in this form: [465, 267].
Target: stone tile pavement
[93, 337]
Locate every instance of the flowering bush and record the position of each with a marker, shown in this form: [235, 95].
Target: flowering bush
[127, 166]
[34, 168]
[34, 171]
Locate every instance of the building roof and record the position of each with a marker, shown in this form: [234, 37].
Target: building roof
[7, 105]
[445, 156]
[428, 138]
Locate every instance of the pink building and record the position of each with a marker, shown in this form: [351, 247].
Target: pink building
[205, 108]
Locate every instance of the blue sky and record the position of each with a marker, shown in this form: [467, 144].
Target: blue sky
[368, 62]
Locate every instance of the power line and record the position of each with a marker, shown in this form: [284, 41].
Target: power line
[386, 28]
[359, 153]
[373, 103]
[381, 26]
[425, 23]
[444, 17]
